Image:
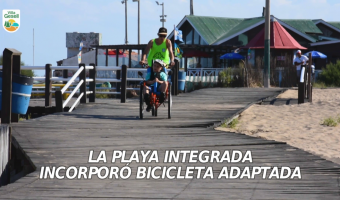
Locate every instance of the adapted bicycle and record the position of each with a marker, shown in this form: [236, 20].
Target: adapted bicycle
[154, 97]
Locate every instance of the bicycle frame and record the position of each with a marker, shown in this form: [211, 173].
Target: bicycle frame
[154, 99]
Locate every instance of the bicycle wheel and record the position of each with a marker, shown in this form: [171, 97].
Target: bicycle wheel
[169, 103]
[141, 102]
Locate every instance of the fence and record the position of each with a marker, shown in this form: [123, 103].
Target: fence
[4, 154]
[203, 72]
[80, 78]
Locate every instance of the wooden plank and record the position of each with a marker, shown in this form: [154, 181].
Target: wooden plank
[109, 125]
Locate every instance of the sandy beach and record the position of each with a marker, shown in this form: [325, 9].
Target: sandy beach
[297, 125]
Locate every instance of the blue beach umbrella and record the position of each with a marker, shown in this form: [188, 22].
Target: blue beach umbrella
[316, 54]
[231, 56]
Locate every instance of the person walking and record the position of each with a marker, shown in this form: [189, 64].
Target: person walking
[299, 60]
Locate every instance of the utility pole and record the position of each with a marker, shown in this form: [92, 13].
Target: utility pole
[266, 78]
[191, 7]
[33, 46]
[138, 22]
[126, 34]
[162, 16]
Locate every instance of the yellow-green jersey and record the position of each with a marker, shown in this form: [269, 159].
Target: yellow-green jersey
[159, 52]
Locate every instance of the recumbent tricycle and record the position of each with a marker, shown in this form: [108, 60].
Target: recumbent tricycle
[154, 95]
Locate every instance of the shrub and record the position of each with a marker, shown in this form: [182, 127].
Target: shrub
[231, 77]
[319, 84]
[103, 96]
[224, 77]
[330, 121]
[331, 74]
[233, 123]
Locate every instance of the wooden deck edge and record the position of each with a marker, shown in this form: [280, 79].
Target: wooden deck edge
[238, 113]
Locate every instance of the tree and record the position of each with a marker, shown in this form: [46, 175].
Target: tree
[29, 73]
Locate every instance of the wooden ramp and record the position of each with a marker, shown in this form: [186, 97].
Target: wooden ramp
[66, 139]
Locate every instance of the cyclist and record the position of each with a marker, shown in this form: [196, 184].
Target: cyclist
[159, 48]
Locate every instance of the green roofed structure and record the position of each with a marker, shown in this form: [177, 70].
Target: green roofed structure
[335, 24]
[203, 34]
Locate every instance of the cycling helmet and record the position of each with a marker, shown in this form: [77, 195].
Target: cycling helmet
[159, 62]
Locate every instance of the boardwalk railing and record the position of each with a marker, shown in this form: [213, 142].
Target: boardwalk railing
[200, 72]
[81, 75]
[80, 78]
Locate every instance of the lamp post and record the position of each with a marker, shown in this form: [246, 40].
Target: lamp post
[162, 16]
[138, 21]
[126, 37]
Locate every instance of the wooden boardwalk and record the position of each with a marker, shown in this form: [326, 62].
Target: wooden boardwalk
[66, 139]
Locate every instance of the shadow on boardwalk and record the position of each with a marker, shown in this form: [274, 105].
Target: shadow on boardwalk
[66, 139]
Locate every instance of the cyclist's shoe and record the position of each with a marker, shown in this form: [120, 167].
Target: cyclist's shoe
[162, 97]
[148, 108]
[147, 99]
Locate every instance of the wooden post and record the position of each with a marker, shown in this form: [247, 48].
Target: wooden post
[173, 80]
[16, 70]
[117, 73]
[65, 75]
[130, 58]
[82, 76]
[48, 85]
[123, 82]
[309, 92]
[59, 101]
[96, 56]
[301, 87]
[117, 57]
[93, 74]
[107, 58]
[7, 74]
[176, 76]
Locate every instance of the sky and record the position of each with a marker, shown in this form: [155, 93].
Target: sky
[52, 19]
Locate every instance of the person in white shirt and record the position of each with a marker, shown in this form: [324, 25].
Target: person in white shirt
[298, 61]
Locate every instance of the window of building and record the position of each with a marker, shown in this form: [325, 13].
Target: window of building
[196, 38]
[206, 62]
[192, 62]
[202, 41]
[182, 63]
[188, 38]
